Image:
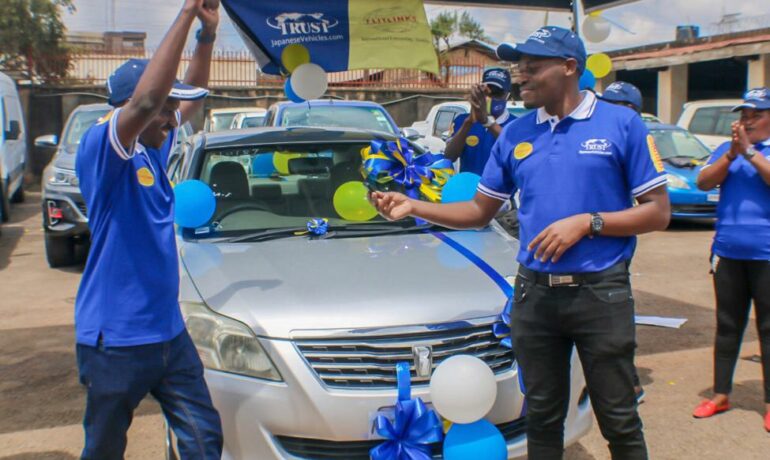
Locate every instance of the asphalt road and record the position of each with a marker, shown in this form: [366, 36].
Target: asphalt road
[41, 401]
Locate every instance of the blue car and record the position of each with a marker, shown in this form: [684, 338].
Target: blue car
[683, 157]
[332, 113]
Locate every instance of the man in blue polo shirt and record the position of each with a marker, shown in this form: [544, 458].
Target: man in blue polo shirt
[625, 94]
[578, 163]
[131, 338]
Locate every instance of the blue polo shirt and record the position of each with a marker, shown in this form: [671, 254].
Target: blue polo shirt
[743, 212]
[130, 287]
[595, 160]
[479, 142]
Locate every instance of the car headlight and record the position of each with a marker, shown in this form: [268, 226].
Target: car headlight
[225, 344]
[63, 177]
[677, 182]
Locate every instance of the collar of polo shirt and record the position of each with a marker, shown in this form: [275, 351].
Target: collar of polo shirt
[766, 142]
[583, 111]
[501, 119]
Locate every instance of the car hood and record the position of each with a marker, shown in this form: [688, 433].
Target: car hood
[282, 287]
[65, 157]
[689, 174]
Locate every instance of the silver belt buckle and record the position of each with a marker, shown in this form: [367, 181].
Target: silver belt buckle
[561, 280]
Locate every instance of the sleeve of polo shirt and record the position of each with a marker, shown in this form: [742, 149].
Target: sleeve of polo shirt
[717, 154]
[458, 121]
[642, 164]
[497, 181]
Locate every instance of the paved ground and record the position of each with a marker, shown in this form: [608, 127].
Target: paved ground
[41, 402]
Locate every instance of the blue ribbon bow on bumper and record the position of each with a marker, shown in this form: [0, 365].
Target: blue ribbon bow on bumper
[414, 428]
[395, 161]
[502, 327]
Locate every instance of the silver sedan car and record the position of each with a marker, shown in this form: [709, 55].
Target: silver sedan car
[300, 334]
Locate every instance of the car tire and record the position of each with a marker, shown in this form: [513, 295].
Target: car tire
[18, 195]
[5, 206]
[59, 251]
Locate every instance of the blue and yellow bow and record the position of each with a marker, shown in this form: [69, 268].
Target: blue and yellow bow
[502, 327]
[414, 428]
[395, 161]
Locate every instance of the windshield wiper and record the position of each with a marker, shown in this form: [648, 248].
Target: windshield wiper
[347, 231]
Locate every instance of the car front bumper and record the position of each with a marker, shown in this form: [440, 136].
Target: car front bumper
[74, 221]
[302, 418]
[693, 204]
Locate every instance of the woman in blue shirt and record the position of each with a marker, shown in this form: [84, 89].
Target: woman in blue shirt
[741, 245]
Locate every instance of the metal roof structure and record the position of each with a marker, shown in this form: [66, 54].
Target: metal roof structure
[543, 5]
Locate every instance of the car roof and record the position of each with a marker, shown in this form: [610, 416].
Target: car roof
[328, 102]
[713, 103]
[467, 105]
[92, 107]
[236, 110]
[663, 126]
[282, 135]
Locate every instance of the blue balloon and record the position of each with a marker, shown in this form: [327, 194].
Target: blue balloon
[460, 187]
[290, 94]
[262, 165]
[479, 439]
[194, 203]
[587, 80]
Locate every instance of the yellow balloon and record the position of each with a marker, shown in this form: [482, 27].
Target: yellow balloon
[599, 64]
[281, 161]
[596, 14]
[351, 203]
[294, 55]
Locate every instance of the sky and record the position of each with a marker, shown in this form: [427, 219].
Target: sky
[652, 21]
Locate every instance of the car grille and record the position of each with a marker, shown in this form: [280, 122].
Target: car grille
[82, 209]
[318, 449]
[370, 362]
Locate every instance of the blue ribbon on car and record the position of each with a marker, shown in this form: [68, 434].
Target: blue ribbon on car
[413, 429]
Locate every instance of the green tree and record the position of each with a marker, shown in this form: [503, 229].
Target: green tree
[443, 27]
[32, 38]
[470, 28]
[447, 25]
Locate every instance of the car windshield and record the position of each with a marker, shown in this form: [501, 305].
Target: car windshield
[518, 111]
[679, 143]
[284, 186]
[221, 121]
[79, 123]
[339, 116]
[253, 121]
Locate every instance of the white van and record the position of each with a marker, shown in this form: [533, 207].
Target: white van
[710, 120]
[13, 147]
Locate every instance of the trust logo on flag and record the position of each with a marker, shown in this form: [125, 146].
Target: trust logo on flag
[339, 34]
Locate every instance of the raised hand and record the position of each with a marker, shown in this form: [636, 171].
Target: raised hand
[392, 205]
[208, 13]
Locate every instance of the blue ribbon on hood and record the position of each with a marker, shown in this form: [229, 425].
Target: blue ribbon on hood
[413, 429]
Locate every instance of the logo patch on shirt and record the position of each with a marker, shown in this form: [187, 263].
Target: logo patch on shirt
[145, 177]
[596, 147]
[472, 141]
[522, 150]
[654, 154]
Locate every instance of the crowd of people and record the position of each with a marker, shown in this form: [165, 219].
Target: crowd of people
[581, 204]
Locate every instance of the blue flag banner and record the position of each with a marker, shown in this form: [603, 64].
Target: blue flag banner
[338, 34]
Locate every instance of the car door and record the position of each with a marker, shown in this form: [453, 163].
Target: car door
[712, 125]
[440, 127]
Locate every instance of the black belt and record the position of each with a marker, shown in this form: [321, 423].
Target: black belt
[571, 279]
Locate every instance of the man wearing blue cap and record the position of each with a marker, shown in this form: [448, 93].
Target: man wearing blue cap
[131, 338]
[578, 163]
[741, 168]
[625, 94]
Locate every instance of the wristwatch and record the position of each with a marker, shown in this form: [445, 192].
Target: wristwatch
[597, 224]
[490, 121]
[205, 39]
[750, 152]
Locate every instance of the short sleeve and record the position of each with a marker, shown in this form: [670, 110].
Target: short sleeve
[458, 121]
[718, 153]
[497, 180]
[641, 160]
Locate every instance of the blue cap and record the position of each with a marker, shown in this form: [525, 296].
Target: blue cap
[548, 41]
[122, 83]
[621, 91]
[497, 77]
[757, 98]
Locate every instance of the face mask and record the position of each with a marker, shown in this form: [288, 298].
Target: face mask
[497, 107]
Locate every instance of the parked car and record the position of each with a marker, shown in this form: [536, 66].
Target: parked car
[300, 335]
[710, 120]
[222, 119]
[683, 157]
[650, 118]
[13, 147]
[65, 217]
[434, 130]
[252, 119]
[333, 113]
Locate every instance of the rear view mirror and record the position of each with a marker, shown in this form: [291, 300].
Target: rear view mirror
[14, 129]
[410, 134]
[49, 140]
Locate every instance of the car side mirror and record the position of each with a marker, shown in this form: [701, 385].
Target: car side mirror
[172, 159]
[14, 129]
[47, 141]
[410, 134]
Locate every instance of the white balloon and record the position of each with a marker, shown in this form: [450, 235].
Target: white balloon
[309, 81]
[596, 29]
[463, 389]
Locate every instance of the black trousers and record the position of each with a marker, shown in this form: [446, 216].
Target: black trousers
[598, 320]
[737, 283]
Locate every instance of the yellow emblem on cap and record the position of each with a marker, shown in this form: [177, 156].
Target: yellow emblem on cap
[145, 177]
[522, 150]
[654, 154]
[472, 141]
